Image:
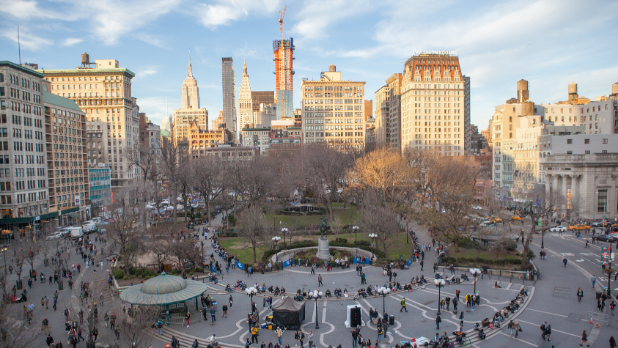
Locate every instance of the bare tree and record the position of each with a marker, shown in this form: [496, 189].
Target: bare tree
[336, 225]
[136, 324]
[183, 251]
[208, 176]
[16, 332]
[253, 227]
[325, 170]
[122, 232]
[381, 220]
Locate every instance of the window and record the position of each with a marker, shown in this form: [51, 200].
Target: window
[587, 152]
[605, 141]
[569, 141]
[586, 141]
[569, 152]
[602, 201]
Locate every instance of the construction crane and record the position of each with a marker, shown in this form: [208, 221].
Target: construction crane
[281, 16]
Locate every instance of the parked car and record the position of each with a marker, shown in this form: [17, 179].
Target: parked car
[558, 229]
[56, 235]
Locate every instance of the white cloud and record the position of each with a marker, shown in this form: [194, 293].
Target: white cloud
[223, 12]
[317, 16]
[155, 107]
[140, 74]
[26, 39]
[151, 40]
[71, 41]
[26, 9]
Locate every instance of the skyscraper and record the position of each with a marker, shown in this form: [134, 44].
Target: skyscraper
[229, 95]
[190, 110]
[284, 55]
[435, 105]
[245, 103]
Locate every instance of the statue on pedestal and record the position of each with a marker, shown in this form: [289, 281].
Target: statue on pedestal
[323, 252]
[323, 227]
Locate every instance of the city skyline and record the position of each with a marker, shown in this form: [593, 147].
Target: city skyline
[367, 42]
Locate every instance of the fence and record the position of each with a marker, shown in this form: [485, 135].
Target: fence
[497, 274]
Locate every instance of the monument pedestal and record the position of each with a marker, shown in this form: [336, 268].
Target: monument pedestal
[323, 252]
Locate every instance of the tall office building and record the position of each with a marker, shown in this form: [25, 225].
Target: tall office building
[332, 111]
[435, 105]
[381, 114]
[23, 163]
[245, 102]
[393, 123]
[229, 96]
[103, 90]
[284, 77]
[190, 111]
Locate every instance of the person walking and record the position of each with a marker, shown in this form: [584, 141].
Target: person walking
[296, 337]
[564, 261]
[254, 334]
[612, 306]
[438, 320]
[461, 319]
[580, 294]
[403, 305]
[302, 337]
[231, 300]
[310, 339]
[422, 264]
[159, 326]
[584, 339]
[320, 280]
[511, 328]
[548, 332]
[279, 336]
[593, 280]
[224, 308]
[543, 330]
[213, 315]
[187, 318]
[354, 338]
[379, 334]
[516, 327]
[457, 294]
[612, 342]
[313, 269]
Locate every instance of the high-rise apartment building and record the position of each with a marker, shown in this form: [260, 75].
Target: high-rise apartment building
[284, 77]
[100, 187]
[381, 114]
[67, 162]
[103, 90]
[393, 122]
[190, 111]
[332, 111]
[23, 164]
[434, 105]
[245, 102]
[229, 96]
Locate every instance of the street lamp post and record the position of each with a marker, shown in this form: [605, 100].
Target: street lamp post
[439, 284]
[355, 228]
[316, 295]
[276, 239]
[284, 230]
[251, 291]
[383, 291]
[373, 239]
[475, 272]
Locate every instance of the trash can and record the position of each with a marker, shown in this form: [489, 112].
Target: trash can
[391, 320]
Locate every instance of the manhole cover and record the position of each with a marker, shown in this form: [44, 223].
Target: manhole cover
[574, 318]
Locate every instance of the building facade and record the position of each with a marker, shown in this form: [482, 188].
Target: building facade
[96, 142]
[393, 122]
[100, 188]
[284, 77]
[103, 90]
[368, 109]
[245, 102]
[190, 111]
[202, 139]
[587, 185]
[381, 114]
[433, 105]
[67, 157]
[23, 162]
[229, 96]
[332, 111]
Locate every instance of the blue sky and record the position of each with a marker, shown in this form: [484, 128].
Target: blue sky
[550, 43]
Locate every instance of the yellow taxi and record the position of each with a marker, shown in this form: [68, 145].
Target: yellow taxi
[578, 227]
[517, 218]
[495, 220]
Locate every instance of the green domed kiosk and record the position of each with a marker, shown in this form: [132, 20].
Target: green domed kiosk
[163, 290]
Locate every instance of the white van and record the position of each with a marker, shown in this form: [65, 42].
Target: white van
[89, 227]
[76, 232]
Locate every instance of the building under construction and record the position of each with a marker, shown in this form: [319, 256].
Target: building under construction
[284, 73]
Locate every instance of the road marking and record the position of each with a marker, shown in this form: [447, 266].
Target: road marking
[332, 327]
[566, 254]
[519, 339]
[552, 329]
[536, 310]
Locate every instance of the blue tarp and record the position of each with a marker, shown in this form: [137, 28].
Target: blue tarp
[240, 266]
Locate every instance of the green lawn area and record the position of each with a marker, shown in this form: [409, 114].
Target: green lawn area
[398, 244]
[242, 249]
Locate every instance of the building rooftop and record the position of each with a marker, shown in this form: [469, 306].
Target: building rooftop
[76, 71]
[60, 101]
[22, 68]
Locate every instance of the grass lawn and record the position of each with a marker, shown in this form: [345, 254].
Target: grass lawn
[398, 244]
[242, 249]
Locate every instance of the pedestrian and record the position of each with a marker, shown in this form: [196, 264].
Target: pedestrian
[543, 330]
[187, 318]
[593, 280]
[612, 306]
[564, 261]
[457, 294]
[511, 328]
[612, 342]
[296, 337]
[580, 294]
[438, 320]
[313, 269]
[310, 339]
[320, 280]
[517, 327]
[403, 305]
[50, 339]
[379, 336]
[461, 319]
[422, 263]
[548, 332]
[159, 326]
[584, 339]
[213, 315]
[231, 300]
[354, 338]
[279, 335]
[224, 311]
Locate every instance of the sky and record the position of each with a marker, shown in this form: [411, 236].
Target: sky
[550, 43]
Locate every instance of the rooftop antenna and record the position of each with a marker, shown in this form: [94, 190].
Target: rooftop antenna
[18, 46]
